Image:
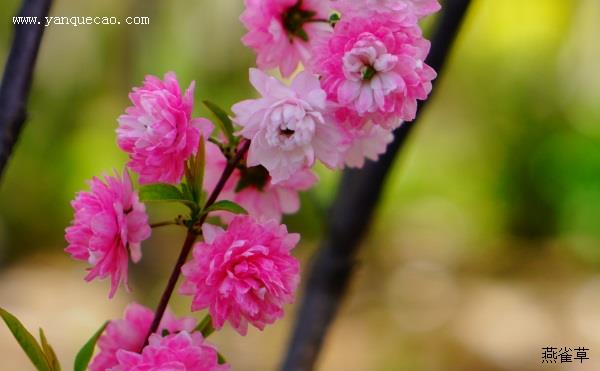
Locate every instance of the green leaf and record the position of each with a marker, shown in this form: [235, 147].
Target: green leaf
[187, 192]
[199, 164]
[49, 352]
[27, 342]
[189, 177]
[165, 193]
[226, 205]
[160, 192]
[85, 353]
[223, 120]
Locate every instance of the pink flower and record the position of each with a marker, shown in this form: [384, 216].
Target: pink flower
[373, 69]
[282, 32]
[252, 188]
[175, 352]
[419, 8]
[245, 274]
[273, 200]
[286, 126]
[129, 333]
[158, 131]
[367, 142]
[110, 224]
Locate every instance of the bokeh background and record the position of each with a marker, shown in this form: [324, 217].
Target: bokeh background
[485, 248]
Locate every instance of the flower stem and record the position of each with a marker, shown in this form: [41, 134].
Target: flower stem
[166, 296]
[192, 234]
[162, 224]
[177, 221]
[205, 326]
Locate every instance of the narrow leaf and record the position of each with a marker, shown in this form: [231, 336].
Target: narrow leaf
[165, 193]
[189, 177]
[200, 163]
[221, 359]
[160, 192]
[85, 353]
[226, 205]
[27, 342]
[49, 352]
[223, 120]
[187, 192]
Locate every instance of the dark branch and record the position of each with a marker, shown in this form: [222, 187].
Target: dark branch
[191, 236]
[18, 75]
[350, 215]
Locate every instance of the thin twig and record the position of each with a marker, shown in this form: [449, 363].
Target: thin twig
[163, 224]
[191, 236]
[16, 81]
[350, 215]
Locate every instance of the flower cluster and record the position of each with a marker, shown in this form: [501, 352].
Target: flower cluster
[182, 351]
[128, 334]
[364, 73]
[243, 274]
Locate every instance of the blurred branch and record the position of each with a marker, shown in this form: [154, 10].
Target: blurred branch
[18, 73]
[350, 215]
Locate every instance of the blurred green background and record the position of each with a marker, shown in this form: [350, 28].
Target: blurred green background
[486, 246]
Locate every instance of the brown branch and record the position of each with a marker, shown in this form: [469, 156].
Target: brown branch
[350, 215]
[191, 238]
[16, 81]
